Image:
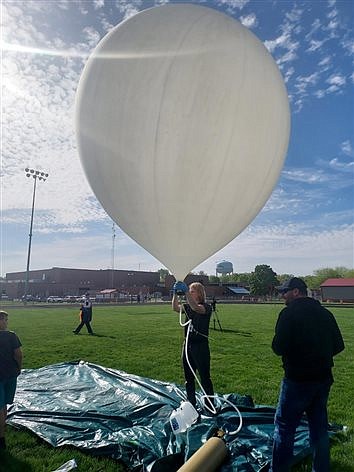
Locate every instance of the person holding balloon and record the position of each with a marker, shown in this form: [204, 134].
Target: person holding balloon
[196, 353]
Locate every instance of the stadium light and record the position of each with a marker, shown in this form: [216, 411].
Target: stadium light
[36, 175]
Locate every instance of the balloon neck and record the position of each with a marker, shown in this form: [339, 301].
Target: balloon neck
[179, 277]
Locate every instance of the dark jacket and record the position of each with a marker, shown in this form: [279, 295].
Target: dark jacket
[86, 311]
[307, 337]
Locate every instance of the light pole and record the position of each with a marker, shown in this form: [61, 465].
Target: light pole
[113, 241]
[36, 175]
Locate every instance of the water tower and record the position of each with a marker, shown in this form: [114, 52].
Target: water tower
[224, 268]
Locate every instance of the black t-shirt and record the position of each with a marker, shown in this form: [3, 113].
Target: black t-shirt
[8, 366]
[200, 322]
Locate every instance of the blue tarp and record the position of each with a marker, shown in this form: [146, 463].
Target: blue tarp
[111, 413]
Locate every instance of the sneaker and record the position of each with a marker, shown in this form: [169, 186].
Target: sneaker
[75, 332]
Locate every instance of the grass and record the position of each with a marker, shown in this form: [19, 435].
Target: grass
[146, 340]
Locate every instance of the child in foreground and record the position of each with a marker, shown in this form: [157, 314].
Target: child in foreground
[10, 369]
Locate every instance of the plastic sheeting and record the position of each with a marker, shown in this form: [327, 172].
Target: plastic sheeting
[111, 413]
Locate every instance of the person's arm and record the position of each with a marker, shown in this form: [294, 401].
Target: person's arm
[175, 303]
[282, 337]
[18, 357]
[337, 338]
[197, 307]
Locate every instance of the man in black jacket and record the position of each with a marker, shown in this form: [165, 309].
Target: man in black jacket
[307, 337]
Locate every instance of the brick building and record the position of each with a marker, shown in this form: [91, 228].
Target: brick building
[60, 282]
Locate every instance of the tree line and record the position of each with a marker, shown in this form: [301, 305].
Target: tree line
[263, 280]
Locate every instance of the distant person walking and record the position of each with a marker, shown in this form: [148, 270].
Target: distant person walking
[85, 316]
[307, 337]
[10, 369]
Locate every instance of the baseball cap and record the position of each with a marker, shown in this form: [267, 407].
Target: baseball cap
[292, 283]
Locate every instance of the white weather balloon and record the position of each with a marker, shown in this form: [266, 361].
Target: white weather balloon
[183, 123]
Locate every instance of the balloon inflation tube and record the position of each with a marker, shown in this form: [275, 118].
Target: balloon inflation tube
[182, 123]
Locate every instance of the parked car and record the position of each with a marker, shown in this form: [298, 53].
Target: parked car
[30, 298]
[54, 299]
[70, 299]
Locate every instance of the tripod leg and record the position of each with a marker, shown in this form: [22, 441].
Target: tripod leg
[217, 318]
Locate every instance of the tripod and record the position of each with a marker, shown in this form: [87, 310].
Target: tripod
[216, 318]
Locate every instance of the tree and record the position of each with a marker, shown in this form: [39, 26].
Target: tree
[229, 278]
[321, 275]
[244, 278]
[213, 279]
[163, 273]
[263, 280]
[284, 277]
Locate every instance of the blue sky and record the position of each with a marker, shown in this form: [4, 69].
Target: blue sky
[306, 224]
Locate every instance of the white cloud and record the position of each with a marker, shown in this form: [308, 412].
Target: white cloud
[348, 46]
[337, 80]
[315, 27]
[304, 83]
[294, 16]
[294, 249]
[97, 4]
[342, 166]
[91, 36]
[128, 8]
[309, 176]
[325, 62]
[283, 41]
[250, 21]
[315, 44]
[347, 148]
[233, 4]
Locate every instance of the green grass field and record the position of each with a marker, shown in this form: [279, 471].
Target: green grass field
[146, 340]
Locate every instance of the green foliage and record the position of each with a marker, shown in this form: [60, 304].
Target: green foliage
[263, 280]
[213, 279]
[252, 279]
[337, 272]
[163, 273]
[321, 275]
[244, 278]
[284, 277]
[146, 340]
[231, 278]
